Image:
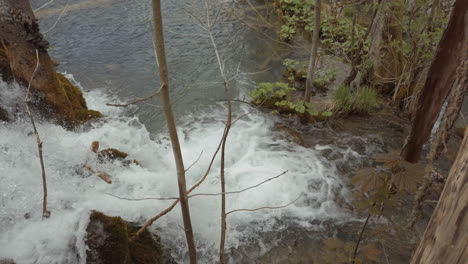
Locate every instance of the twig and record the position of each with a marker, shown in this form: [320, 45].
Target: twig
[44, 5]
[239, 191]
[199, 194]
[265, 207]
[353, 260]
[58, 19]
[191, 165]
[45, 213]
[137, 100]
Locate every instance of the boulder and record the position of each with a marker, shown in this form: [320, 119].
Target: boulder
[109, 242]
[52, 95]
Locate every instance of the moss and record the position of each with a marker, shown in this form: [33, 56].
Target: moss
[82, 115]
[74, 94]
[5, 70]
[115, 154]
[77, 101]
[107, 240]
[145, 248]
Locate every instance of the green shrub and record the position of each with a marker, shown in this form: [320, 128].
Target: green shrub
[276, 96]
[366, 99]
[268, 94]
[343, 99]
[363, 100]
[294, 15]
[295, 70]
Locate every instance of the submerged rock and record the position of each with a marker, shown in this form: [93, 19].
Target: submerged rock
[289, 134]
[4, 115]
[108, 241]
[113, 154]
[7, 261]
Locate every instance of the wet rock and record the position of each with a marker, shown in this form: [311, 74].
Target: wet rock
[289, 134]
[4, 115]
[109, 242]
[112, 154]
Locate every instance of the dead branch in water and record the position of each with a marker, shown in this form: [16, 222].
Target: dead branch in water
[45, 213]
[265, 207]
[136, 100]
[200, 194]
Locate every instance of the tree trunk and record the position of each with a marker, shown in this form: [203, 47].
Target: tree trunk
[385, 53]
[451, 51]
[313, 52]
[446, 236]
[53, 95]
[163, 73]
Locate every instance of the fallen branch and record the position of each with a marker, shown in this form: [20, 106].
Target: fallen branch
[265, 207]
[45, 213]
[199, 194]
[58, 19]
[136, 100]
[195, 162]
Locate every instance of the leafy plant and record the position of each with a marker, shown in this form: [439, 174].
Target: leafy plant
[294, 15]
[277, 97]
[295, 70]
[323, 79]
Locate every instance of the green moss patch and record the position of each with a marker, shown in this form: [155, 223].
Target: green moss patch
[109, 241]
[77, 101]
[112, 154]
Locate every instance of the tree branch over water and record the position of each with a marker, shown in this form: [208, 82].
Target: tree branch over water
[45, 212]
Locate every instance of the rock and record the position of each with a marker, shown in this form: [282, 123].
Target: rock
[4, 115]
[112, 154]
[7, 261]
[52, 95]
[5, 70]
[108, 241]
[289, 133]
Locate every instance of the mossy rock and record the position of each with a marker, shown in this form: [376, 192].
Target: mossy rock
[112, 154]
[4, 115]
[77, 101]
[5, 70]
[109, 241]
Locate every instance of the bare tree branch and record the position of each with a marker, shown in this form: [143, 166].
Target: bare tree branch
[44, 5]
[136, 100]
[45, 213]
[58, 19]
[199, 194]
[265, 207]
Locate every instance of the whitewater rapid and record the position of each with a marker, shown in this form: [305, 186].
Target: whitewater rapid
[254, 154]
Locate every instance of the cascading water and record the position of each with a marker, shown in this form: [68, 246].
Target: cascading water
[254, 154]
[108, 44]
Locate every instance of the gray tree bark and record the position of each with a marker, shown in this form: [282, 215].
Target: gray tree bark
[446, 236]
[163, 73]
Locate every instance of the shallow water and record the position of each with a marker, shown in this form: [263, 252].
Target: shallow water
[107, 46]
